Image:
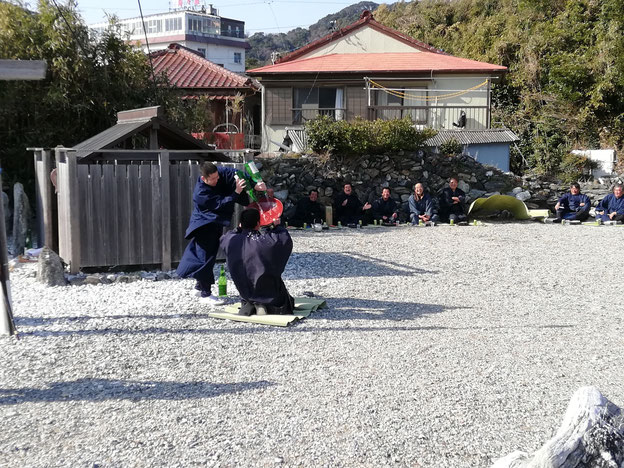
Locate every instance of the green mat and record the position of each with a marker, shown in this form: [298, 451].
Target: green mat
[495, 203]
[304, 306]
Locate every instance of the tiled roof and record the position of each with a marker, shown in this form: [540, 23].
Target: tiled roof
[380, 63]
[473, 137]
[365, 20]
[186, 68]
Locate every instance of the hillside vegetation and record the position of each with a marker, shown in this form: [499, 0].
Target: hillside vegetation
[565, 83]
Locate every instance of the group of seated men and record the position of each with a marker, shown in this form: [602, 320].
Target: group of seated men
[450, 206]
[350, 211]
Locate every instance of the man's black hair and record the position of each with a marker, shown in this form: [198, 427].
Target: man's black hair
[249, 218]
[207, 168]
[313, 190]
[576, 185]
[386, 188]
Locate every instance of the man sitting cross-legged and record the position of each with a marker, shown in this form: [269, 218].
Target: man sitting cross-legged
[256, 261]
[574, 205]
[452, 201]
[385, 208]
[611, 207]
[421, 206]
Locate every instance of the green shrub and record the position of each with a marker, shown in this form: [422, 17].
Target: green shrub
[573, 167]
[364, 136]
[451, 147]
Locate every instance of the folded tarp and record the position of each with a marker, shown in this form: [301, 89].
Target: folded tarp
[304, 306]
[482, 207]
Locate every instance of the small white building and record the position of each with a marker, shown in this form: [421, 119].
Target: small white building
[220, 40]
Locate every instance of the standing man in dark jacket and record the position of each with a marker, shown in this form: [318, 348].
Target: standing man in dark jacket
[256, 261]
[452, 203]
[348, 207]
[308, 210]
[421, 206]
[385, 208]
[574, 205]
[215, 193]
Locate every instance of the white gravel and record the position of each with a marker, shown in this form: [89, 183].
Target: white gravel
[442, 347]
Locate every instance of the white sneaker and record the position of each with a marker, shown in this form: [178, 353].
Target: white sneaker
[196, 293]
[212, 301]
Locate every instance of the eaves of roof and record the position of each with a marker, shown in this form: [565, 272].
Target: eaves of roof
[473, 137]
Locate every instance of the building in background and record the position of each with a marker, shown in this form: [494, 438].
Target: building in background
[194, 26]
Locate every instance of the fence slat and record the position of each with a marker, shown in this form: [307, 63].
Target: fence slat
[123, 214]
[110, 210]
[145, 214]
[134, 238]
[86, 231]
[164, 207]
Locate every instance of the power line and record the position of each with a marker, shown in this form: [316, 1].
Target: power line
[147, 43]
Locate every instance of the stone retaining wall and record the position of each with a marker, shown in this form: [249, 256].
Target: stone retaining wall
[293, 177]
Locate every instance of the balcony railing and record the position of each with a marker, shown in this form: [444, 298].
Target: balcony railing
[436, 117]
[301, 115]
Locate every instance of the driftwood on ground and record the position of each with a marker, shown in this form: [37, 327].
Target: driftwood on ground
[591, 435]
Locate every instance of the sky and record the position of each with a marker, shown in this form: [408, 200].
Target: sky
[269, 16]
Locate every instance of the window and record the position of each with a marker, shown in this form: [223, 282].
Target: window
[202, 52]
[406, 103]
[173, 24]
[154, 26]
[310, 102]
[238, 57]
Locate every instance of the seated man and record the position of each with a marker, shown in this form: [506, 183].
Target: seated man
[348, 207]
[573, 205]
[421, 206]
[308, 210]
[611, 207]
[452, 202]
[385, 208]
[256, 261]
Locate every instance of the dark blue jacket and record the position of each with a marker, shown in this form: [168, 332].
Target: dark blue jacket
[424, 206]
[256, 261]
[215, 204]
[609, 204]
[571, 202]
[446, 201]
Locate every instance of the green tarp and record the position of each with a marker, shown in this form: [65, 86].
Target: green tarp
[304, 306]
[483, 207]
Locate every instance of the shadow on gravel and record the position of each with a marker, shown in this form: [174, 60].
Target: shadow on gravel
[105, 389]
[346, 308]
[311, 265]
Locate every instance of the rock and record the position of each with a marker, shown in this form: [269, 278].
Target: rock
[281, 194]
[76, 280]
[523, 196]
[21, 215]
[404, 198]
[425, 175]
[474, 194]
[489, 173]
[122, 279]
[50, 269]
[463, 186]
[92, 279]
[516, 190]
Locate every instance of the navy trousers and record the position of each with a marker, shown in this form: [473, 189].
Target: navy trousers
[199, 257]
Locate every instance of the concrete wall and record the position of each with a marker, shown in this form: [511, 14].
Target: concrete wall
[493, 154]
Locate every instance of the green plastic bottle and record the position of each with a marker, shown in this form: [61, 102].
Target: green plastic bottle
[222, 283]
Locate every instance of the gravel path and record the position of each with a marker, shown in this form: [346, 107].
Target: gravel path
[442, 347]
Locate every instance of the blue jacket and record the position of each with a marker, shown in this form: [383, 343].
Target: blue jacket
[215, 204]
[609, 204]
[571, 202]
[424, 206]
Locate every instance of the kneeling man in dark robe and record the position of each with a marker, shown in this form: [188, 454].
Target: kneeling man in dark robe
[256, 260]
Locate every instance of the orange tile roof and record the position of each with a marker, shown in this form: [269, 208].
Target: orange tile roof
[392, 62]
[186, 68]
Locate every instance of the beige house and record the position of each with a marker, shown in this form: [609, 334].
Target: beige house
[369, 70]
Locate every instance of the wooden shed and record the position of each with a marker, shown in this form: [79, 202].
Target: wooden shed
[124, 196]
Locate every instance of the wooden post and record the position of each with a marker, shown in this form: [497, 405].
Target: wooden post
[329, 215]
[69, 208]
[43, 185]
[165, 204]
[7, 326]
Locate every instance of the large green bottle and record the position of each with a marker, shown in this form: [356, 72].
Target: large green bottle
[222, 283]
[252, 176]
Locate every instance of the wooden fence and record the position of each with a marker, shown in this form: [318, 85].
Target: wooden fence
[125, 208]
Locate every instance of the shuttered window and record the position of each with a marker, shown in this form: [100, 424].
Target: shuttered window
[279, 106]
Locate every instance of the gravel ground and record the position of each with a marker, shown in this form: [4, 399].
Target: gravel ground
[441, 347]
